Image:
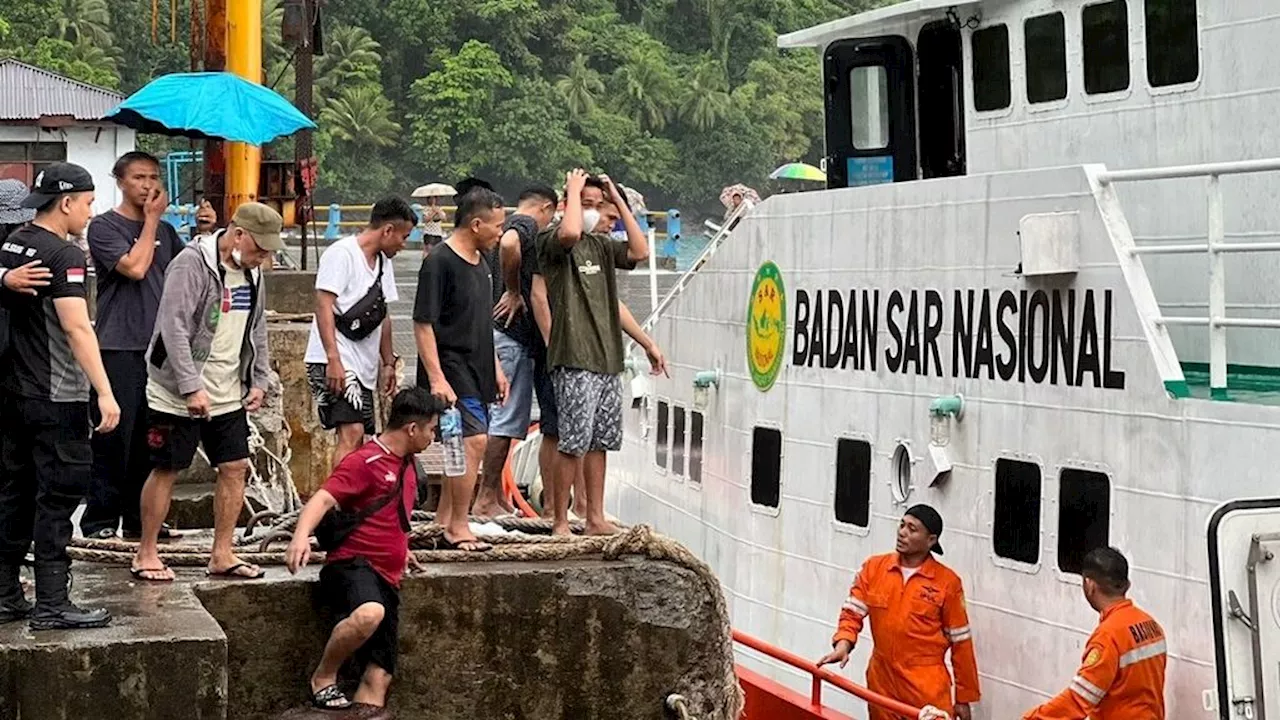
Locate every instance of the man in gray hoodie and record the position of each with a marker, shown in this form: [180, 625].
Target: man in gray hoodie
[207, 369]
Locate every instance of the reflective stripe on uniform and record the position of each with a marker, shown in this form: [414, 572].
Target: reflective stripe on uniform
[959, 634]
[1146, 652]
[1091, 693]
[855, 606]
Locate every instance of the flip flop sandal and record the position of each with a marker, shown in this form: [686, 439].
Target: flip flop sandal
[330, 698]
[232, 573]
[137, 574]
[476, 546]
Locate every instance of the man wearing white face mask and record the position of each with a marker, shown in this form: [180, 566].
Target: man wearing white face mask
[584, 351]
[207, 369]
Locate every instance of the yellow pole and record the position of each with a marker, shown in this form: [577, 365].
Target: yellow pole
[244, 58]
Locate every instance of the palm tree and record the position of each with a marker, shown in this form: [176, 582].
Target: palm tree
[645, 89]
[360, 115]
[272, 28]
[93, 56]
[706, 98]
[84, 20]
[350, 53]
[580, 87]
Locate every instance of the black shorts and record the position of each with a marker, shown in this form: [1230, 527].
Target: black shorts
[544, 390]
[335, 410]
[346, 585]
[173, 439]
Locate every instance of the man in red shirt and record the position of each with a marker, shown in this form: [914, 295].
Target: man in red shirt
[361, 577]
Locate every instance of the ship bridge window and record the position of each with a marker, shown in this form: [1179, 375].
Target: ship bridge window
[869, 99]
[1016, 527]
[991, 84]
[1173, 46]
[695, 447]
[1046, 57]
[766, 466]
[660, 442]
[1106, 47]
[853, 482]
[1084, 515]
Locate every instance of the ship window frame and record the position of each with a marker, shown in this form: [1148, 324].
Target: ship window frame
[861, 122]
[1010, 461]
[697, 444]
[900, 476]
[1029, 48]
[680, 435]
[662, 435]
[1126, 45]
[1007, 69]
[770, 472]
[1066, 522]
[1195, 49]
[862, 482]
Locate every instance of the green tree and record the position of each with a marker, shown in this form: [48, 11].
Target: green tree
[66, 59]
[645, 89]
[450, 108]
[580, 87]
[350, 56]
[360, 115]
[706, 97]
[84, 20]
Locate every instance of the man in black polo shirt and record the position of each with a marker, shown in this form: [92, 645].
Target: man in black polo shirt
[44, 452]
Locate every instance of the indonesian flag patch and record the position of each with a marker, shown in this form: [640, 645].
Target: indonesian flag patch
[75, 275]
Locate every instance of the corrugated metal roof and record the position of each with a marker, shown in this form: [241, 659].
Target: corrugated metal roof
[28, 92]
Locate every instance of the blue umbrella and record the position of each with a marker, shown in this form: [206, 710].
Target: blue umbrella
[210, 105]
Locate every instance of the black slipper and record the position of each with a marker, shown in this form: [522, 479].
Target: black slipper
[476, 546]
[232, 574]
[330, 698]
[136, 572]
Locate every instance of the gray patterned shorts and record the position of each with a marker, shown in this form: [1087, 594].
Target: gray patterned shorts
[590, 408]
[353, 407]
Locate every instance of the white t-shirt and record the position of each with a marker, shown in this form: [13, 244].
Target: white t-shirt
[907, 573]
[345, 272]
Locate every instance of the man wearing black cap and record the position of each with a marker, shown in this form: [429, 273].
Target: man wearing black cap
[53, 359]
[917, 612]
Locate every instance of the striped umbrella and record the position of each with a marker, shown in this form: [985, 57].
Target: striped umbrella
[798, 171]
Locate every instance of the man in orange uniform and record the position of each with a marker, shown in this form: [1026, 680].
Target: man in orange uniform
[917, 612]
[1122, 674]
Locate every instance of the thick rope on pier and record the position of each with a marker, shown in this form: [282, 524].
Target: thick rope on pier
[639, 540]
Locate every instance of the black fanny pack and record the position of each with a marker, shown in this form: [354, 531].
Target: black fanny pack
[337, 525]
[361, 319]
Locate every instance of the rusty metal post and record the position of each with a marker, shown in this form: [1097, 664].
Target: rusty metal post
[304, 85]
[215, 60]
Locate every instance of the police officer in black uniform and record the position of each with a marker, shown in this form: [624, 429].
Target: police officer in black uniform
[44, 379]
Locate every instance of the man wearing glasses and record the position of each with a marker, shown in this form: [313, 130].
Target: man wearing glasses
[207, 369]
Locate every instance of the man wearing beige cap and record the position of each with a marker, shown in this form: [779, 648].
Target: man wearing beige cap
[207, 369]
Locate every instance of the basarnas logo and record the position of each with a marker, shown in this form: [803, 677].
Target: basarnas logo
[766, 326]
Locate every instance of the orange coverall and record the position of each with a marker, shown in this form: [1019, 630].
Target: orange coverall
[913, 623]
[1121, 675]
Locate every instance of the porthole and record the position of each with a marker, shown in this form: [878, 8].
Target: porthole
[901, 473]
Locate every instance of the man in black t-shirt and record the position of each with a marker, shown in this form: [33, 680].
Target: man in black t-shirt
[515, 337]
[131, 246]
[52, 360]
[452, 318]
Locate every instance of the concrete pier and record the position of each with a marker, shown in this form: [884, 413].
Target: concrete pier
[576, 640]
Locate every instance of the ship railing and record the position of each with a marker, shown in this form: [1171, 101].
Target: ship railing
[821, 675]
[1216, 248]
[707, 252]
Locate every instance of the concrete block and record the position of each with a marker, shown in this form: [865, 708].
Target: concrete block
[192, 507]
[163, 657]
[580, 640]
[291, 291]
[311, 444]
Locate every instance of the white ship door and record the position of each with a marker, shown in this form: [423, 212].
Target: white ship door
[1244, 577]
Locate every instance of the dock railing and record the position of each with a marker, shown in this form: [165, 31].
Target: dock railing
[1216, 247]
[820, 676]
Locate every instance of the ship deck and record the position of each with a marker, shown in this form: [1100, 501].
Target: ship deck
[1245, 383]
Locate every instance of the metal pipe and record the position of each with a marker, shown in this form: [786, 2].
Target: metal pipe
[1240, 167]
[653, 270]
[1217, 292]
[1257, 555]
[1168, 249]
[1271, 323]
[244, 58]
[1174, 320]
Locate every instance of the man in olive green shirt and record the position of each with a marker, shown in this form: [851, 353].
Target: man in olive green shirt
[585, 351]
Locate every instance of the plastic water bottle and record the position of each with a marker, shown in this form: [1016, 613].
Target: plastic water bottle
[455, 460]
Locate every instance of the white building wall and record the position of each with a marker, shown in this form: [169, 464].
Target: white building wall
[93, 146]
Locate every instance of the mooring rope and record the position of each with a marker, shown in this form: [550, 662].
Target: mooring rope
[639, 540]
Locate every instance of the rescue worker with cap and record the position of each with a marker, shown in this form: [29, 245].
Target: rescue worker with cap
[1121, 675]
[916, 608]
[52, 361]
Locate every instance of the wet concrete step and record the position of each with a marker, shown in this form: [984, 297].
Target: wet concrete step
[192, 506]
